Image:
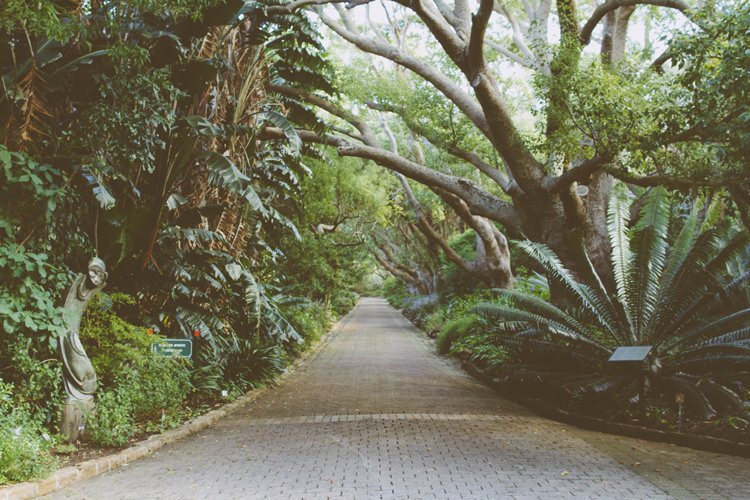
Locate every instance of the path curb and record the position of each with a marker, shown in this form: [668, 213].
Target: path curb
[90, 468]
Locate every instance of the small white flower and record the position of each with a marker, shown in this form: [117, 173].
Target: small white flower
[17, 431]
[45, 436]
[224, 393]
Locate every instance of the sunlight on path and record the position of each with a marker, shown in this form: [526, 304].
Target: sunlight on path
[376, 415]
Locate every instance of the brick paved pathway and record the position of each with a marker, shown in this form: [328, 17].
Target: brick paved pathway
[377, 415]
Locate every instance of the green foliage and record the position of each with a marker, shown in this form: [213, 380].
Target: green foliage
[131, 116]
[146, 397]
[113, 344]
[483, 349]
[453, 331]
[156, 388]
[672, 292]
[395, 291]
[113, 423]
[24, 445]
[311, 318]
[344, 301]
[36, 239]
[152, 124]
[433, 322]
[248, 364]
[30, 283]
[324, 266]
[713, 63]
[27, 304]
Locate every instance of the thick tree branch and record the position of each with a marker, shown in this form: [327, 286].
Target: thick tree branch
[298, 4]
[503, 132]
[507, 185]
[443, 83]
[479, 21]
[481, 201]
[610, 5]
[578, 173]
[398, 273]
[367, 135]
[678, 183]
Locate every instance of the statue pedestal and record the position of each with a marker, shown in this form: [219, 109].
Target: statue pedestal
[74, 418]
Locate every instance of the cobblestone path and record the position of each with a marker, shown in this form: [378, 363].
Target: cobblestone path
[376, 415]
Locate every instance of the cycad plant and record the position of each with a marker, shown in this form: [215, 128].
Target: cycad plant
[672, 291]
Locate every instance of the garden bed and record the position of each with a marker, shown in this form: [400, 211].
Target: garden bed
[715, 442]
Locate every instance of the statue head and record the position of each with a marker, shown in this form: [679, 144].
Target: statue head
[97, 273]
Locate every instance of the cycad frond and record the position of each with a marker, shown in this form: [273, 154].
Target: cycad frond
[707, 329]
[558, 323]
[544, 309]
[650, 241]
[669, 293]
[597, 302]
[618, 216]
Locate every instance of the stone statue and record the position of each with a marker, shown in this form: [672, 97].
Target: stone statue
[79, 377]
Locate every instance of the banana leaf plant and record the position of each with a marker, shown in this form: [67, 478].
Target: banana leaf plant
[672, 291]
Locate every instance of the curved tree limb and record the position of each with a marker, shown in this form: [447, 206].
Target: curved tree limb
[481, 201]
[507, 184]
[442, 82]
[610, 5]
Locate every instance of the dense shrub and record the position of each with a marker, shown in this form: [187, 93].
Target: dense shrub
[148, 396]
[139, 391]
[113, 423]
[24, 445]
[311, 318]
[394, 291]
[343, 302]
[418, 307]
[113, 344]
[248, 364]
[454, 330]
[483, 349]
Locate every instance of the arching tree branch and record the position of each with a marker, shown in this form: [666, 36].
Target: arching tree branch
[611, 5]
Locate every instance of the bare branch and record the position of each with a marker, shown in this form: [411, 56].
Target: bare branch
[518, 32]
[510, 55]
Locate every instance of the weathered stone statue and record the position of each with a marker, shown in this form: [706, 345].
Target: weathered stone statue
[79, 378]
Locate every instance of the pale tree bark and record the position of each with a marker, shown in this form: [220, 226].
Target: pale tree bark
[542, 202]
[492, 262]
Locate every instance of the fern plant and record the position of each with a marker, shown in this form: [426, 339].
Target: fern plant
[672, 291]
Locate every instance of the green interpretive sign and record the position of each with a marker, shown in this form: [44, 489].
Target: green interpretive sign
[173, 348]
